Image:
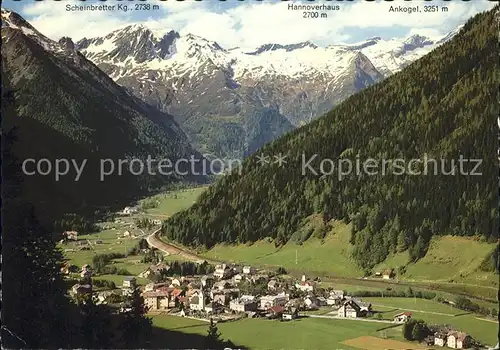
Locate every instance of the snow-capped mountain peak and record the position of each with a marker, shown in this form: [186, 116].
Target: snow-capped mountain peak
[390, 56]
[196, 79]
[13, 21]
[288, 48]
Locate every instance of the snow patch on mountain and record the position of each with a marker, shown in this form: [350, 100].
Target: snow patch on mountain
[391, 56]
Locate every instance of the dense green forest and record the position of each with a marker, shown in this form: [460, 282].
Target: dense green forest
[443, 106]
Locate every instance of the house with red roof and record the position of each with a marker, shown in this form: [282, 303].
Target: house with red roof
[402, 317]
[275, 311]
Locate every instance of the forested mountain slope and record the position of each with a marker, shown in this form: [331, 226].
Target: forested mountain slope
[67, 108]
[443, 105]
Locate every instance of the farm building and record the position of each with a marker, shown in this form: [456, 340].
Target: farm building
[402, 317]
[458, 340]
[349, 309]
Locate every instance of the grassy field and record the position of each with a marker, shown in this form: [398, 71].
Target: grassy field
[318, 257]
[112, 240]
[451, 264]
[449, 259]
[110, 244]
[433, 312]
[304, 333]
[415, 304]
[172, 202]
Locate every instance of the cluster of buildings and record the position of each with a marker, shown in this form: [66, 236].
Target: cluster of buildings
[85, 287]
[129, 210]
[220, 293]
[452, 339]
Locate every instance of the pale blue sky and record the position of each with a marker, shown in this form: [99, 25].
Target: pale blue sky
[251, 23]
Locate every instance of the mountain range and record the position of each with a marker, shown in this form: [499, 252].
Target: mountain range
[230, 102]
[440, 108]
[62, 106]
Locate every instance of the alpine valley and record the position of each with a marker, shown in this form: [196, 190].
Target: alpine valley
[230, 102]
[62, 106]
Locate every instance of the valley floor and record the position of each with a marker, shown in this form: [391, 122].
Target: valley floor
[450, 268]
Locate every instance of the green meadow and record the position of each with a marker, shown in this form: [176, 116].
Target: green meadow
[432, 312]
[303, 333]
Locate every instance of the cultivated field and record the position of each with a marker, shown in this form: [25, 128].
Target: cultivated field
[375, 343]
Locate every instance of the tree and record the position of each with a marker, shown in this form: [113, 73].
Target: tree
[136, 326]
[213, 336]
[419, 331]
[388, 213]
[281, 271]
[33, 291]
[415, 330]
[408, 329]
[95, 322]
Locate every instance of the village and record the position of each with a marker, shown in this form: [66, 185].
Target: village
[233, 292]
[175, 285]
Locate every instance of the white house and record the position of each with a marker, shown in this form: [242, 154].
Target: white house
[333, 301]
[272, 284]
[388, 274]
[290, 314]
[402, 317]
[198, 301]
[237, 278]
[222, 271]
[311, 302]
[248, 270]
[243, 304]
[86, 271]
[129, 282]
[268, 301]
[71, 235]
[458, 340]
[129, 210]
[175, 283]
[440, 338]
[305, 286]
[350, 309]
